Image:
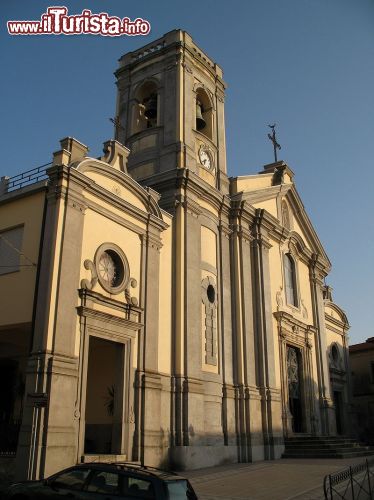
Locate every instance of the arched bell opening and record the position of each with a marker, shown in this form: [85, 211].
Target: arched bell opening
[145, 110]
[204, 114]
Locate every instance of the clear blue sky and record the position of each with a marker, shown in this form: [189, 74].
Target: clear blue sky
[306, 64]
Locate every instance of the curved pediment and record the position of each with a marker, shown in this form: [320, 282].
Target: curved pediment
[297, 242]
[332, 310]
[120, 184]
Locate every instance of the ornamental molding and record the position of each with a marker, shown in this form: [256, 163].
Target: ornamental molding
[187, 68]
[224, 229]
[118, 178]
[292, 330]
[126, 283]
[210, 152]
[279, 297]
[304, 309]
[86, 283]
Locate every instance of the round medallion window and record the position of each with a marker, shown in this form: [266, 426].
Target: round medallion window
[112, 268]
[211, 293]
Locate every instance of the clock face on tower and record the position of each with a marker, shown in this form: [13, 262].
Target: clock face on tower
[205, 158]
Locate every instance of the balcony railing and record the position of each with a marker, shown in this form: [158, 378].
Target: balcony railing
[9, 184]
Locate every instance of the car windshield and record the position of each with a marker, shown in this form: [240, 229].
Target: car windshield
[179, 489]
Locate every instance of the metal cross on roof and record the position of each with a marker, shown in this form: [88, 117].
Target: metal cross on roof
[274, 141]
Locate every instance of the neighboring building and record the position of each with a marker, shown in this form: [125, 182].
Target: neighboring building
[155, 309]
[361, 358]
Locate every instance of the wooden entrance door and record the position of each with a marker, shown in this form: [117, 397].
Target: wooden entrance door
[294, 388]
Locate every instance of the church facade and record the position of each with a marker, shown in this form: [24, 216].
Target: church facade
[153, 308]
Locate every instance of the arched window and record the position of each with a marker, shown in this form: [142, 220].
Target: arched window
[290, 280]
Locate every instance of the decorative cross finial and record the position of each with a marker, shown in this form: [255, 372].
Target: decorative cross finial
[117, 125]
[274, 141]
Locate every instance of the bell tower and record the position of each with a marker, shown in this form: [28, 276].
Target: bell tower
[170, 112]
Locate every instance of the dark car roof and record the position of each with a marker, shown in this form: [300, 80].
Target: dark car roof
[141, 470]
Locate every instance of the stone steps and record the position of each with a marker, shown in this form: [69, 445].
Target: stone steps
[324, 447]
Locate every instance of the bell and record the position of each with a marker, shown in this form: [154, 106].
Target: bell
[150, 107]
[200, 122]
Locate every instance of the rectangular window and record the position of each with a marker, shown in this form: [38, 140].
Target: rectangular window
[10, 249]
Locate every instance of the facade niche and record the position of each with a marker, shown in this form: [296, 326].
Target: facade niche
[209, 298]
[286, 216]
[204, 114]
[145, 111]
[290, 280]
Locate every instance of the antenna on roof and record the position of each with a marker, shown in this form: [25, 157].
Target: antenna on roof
[117, 125]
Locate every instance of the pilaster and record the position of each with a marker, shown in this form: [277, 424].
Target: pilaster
[45, 432]
[271, 404]
[327, 411]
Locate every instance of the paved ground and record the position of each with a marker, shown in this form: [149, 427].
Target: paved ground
[283, 479]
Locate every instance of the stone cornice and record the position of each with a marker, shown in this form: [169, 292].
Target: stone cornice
[339, 322]
[242, 212]
[318, 268]
[224, 229]
[241, 231]
[97, 298]
[108, 318]
[341, 327]
[173, 50]
[263, 226]
[59, 173]
[204, 191]
[263, 194]
[125, 206]
[24, 192]
[147, 196]
[285, 318]
[186, 182]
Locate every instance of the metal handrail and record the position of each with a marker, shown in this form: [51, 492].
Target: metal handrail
[27, 178]
[348, 490]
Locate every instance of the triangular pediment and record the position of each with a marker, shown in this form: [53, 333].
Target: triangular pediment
[270, 198]
[301, 223]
